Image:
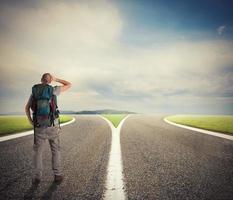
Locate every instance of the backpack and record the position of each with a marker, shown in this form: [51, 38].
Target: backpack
[44, 105]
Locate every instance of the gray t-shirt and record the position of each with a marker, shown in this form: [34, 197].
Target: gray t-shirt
[56, 91]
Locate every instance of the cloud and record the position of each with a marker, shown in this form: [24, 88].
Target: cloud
[81, 42]
[221, 29]
[225, 30]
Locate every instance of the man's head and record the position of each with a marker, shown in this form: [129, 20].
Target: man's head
[46, 78]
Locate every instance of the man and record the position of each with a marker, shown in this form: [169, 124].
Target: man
[50, 132]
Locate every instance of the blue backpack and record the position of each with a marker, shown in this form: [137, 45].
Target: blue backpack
[44, 105]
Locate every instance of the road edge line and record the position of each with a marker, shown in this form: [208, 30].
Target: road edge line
[26, 133]
[213, 133]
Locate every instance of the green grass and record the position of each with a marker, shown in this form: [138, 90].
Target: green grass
[65, 118]
[15, 124]
[115, 118]
[219, 123]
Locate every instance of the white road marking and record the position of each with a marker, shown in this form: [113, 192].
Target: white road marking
[22, 134]
[114, 183]
[217, 134]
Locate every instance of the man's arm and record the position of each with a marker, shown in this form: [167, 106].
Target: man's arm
[66, 85]
[28, 112]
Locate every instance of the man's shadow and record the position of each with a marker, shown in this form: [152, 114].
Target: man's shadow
[31, 191]
[47, 195]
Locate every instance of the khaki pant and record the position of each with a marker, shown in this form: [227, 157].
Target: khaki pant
[41, 135]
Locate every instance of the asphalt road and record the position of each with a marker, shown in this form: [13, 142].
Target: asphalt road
[161, 161]
[85, 146]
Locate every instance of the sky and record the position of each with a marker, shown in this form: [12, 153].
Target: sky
[142, 56]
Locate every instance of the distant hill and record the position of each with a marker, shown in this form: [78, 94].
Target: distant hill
[65, 112]
[13, 113]
[105, 111]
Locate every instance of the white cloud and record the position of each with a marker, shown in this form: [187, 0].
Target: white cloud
[80, 42]
[221, 29]
[225, 30]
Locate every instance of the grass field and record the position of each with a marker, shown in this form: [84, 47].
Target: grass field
[219, 123]
[15, 124]
[115, 118]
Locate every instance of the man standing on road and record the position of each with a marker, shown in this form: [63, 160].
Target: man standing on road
[46, 123]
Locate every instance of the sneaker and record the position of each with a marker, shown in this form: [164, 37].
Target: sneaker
[36, 181]
[58, 179]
